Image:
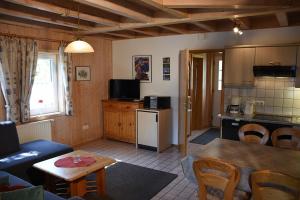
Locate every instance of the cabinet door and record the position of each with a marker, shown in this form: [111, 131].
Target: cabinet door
[111, 124]
[297, 80]
[239, 67]
[147, 128]
[276, 55]
[127, 129]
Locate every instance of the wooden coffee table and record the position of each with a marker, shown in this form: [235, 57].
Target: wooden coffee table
[76, 176]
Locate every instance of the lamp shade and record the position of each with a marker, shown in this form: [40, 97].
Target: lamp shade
[79, 46]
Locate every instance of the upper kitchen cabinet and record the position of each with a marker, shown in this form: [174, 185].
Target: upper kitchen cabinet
[238, 69]
[285, 56]
[297, 79]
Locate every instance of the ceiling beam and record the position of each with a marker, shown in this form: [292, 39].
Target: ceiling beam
[243, 22]
[204, 26]
[116, 9]
[282, 19]
[192, 18]
[27, 16]
[173, 29]
[149, 33]
[236, 4]
[63, 12]
[158, 5]
[121, 35]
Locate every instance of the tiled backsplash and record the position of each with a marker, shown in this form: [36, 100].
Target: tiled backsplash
[279, 95]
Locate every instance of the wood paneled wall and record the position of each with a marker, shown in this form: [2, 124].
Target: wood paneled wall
[87, 95]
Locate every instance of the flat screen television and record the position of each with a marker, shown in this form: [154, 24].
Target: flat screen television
[126, 89]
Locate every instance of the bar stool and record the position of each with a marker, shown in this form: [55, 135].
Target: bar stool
[286, 137]
[248, 133]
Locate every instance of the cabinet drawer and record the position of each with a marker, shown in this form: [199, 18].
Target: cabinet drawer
[129, 107]
[111, 106]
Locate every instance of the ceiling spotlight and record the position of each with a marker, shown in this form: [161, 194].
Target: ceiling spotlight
[240, 32]
[236, 29]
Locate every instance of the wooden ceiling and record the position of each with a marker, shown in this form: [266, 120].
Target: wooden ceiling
[126, 19]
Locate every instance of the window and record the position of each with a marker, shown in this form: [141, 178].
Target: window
[220, 74]
[45, 95]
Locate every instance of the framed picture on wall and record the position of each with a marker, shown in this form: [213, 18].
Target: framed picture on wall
[142, 68]
[83, 73]
[166, 69]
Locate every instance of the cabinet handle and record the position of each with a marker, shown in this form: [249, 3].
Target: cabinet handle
[235, 124]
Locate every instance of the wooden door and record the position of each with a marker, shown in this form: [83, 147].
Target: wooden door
[127, 128]
[112, 124]
[197, 93]
[184, 100]
[297, 80]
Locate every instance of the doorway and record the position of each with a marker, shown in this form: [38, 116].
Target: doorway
[206, 89]
[200, 92]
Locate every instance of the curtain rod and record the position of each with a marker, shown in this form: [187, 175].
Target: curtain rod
[34, 38]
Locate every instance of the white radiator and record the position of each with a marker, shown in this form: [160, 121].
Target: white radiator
[35, 130]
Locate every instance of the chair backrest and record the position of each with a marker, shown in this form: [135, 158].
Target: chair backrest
[217, 174]
[246, 134]
[286, 138]
[273, 185]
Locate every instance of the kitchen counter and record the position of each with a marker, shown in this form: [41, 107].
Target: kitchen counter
[275, 119]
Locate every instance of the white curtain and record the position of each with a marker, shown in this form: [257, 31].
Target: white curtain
[65, 66]
[18, 58]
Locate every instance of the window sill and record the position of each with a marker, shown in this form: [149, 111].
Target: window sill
[45, 116]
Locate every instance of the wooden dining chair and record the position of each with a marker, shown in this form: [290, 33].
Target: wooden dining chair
[273, 185]
[254, 133]
[286, 137]
[216, 174]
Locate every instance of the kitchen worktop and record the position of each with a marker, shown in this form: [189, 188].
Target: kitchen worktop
[276, 119]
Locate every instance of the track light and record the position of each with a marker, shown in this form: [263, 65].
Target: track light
[240, 32]
[236, 29]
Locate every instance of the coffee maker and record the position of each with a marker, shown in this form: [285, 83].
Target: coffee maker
[235, 106]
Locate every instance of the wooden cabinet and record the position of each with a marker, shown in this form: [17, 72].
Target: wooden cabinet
[238, 70]
[119, 120]
[297, 79]
[154, 129]
[281, 55]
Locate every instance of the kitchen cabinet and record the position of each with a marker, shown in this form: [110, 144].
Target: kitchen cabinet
[238, 70]
[154, 131]
[281, 55]
[297, 79]
[119, 120]
[230, 128]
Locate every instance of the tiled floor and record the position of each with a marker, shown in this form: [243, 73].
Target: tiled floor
[168, 161]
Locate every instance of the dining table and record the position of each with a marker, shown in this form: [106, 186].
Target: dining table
[248, 157]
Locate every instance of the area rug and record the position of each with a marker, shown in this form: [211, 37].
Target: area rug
[207, 136]
[125, 181]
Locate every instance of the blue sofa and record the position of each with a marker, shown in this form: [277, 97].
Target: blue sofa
[18, 159]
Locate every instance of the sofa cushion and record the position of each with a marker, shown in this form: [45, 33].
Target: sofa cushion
[9, 141]
[20, 163]
[28, 193]
[13, 180]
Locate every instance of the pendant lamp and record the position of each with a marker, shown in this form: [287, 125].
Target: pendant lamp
[79, 46]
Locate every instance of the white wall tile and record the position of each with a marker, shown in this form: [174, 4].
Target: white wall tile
[287, 111]
[278, 93]
[296, 103]
[289, 85]
[270, 83]
[296, 94]
[269, 109]
[270, 93]
[278, 102]
[277, 110]
[260, 92]
[288, 103]
[244, 92]
[260, 84]
[259, 109]
[252, 92]
[269, 101]
[288, 94]
[296, 111]
[235, 92]
[279, 84]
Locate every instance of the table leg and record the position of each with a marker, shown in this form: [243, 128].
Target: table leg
[78, 187]
[100, 181]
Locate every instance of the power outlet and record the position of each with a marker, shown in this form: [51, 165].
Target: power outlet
[260, 103]
[85, 127]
